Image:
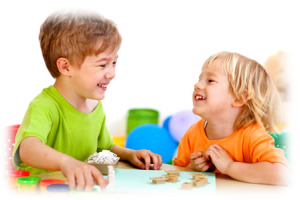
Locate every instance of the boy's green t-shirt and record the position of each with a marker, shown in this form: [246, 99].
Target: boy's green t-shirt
[59, 125]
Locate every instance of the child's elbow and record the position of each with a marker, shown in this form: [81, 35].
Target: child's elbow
[281, 174]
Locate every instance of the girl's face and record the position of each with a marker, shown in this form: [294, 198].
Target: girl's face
[212, 96]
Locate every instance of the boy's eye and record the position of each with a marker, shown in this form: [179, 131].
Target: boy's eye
[211, 81]
[102, 65]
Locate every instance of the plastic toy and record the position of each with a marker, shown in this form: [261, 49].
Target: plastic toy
[58, 188]
[180, 123]
[28, 184]
[140, 116]
[166, 123]
[153, 138]
[45, 182]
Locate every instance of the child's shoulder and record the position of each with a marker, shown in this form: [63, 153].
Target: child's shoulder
[45, 100]
[197, 126]
[253, 132]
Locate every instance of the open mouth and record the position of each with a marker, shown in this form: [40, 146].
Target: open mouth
[103, 86]
[199, 97]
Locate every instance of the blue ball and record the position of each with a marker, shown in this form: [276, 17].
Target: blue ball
[167, 122]
[154, 138]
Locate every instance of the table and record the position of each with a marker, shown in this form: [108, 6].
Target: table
[224, 184]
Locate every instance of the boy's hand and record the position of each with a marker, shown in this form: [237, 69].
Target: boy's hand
[143, 159]
[82, 176]
[219, 157]
[199, 162]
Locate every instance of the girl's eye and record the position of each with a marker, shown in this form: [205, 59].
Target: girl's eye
[211, 81]
[102, 65]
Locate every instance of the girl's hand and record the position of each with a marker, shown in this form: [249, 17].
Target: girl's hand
[80, 175]
[199, 162]
[219, 157]
[143, 159]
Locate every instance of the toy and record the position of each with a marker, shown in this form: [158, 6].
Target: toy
[174, 172]
[166, 123]
[45, 182]
[111, 175]
[102, 160]
[180, 123]
[158, 180]
[200, 183]
[198, 176]
[172, 178]
[28, 184]
[187, 185]
[58, 188]
[154, 138]
[140, 116]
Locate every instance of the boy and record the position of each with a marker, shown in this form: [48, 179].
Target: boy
[238, 103]
[65, 124]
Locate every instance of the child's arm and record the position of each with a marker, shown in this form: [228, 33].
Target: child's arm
[261, 172]
[79, 174]
[139, 158]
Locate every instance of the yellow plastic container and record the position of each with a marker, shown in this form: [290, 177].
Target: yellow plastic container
[28, 184]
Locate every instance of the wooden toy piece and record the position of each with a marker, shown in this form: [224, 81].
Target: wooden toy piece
[187, 185]
[174, 172]
[198, 176]
[111, 175]
[172, 178]
[158, 180]
[200, 183]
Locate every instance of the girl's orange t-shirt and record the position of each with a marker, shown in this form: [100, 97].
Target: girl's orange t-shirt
[250, 145]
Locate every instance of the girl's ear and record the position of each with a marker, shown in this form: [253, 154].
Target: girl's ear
[63, 66]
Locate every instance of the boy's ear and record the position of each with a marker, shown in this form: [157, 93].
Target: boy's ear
[237, 103]
[63, 66]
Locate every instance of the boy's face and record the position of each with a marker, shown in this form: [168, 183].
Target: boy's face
[91, 79]
[212, 97]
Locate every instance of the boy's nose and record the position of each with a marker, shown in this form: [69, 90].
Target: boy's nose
[198, 86]
[110, 74]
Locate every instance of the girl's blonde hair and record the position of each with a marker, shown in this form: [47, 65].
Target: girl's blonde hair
[251, 84]
[75, 35]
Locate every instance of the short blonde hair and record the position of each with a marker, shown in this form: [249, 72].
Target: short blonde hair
[74, 35]
[252, 85]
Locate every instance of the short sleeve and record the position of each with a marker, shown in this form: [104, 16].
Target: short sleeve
[105, 141]
[184, 151]
[36, 123]
[261, 148]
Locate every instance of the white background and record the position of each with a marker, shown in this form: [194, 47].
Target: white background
[164, 46]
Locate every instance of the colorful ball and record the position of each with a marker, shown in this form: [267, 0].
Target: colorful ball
[180, 123]
[154, 138]
[166, 123]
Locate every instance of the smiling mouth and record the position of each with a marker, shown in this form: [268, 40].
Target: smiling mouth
[199, 97]
[104, 86]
